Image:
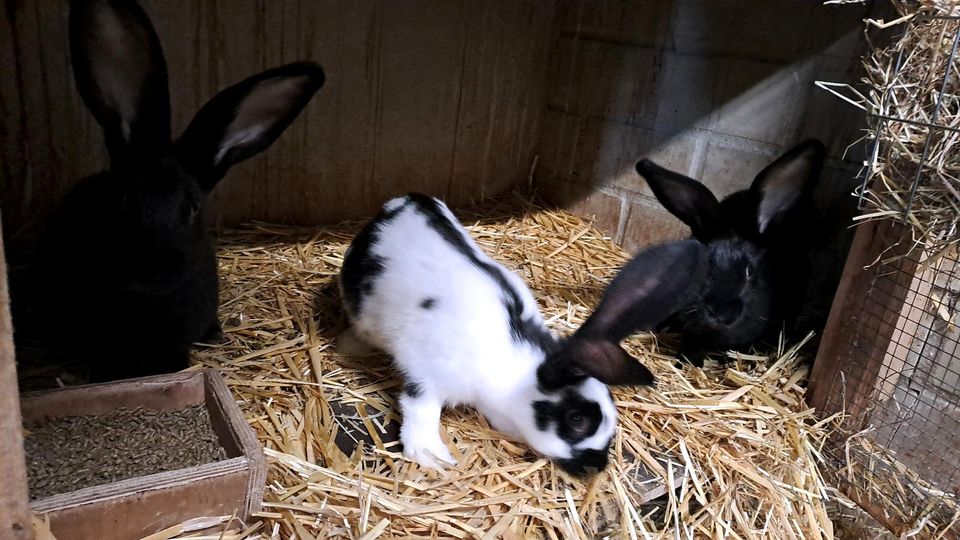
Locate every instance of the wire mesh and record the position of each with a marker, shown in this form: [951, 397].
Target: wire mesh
[900, 389]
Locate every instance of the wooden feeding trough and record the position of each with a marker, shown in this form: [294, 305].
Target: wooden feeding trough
[138, 506]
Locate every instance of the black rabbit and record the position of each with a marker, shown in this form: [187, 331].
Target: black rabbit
[758, 242]
[125, 275]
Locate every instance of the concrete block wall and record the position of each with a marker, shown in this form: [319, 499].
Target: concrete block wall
[715, 90]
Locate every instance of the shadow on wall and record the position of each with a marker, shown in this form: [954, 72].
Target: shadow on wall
[714, 90]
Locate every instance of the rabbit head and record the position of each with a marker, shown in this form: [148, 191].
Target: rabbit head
[754, 261]
[156, 186]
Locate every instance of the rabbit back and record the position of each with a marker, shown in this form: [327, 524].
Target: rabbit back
[416, 286]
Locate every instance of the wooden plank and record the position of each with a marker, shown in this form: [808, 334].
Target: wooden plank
[167, 393]
[901, 340]
[421, 48]
[61, 141]
[13, 150]
[138, 506]
[331, 172]
[139, 514]
[85, 497]
[502, 96]
[849, 317]
[883, 516]
[227, 417]
[14, 513]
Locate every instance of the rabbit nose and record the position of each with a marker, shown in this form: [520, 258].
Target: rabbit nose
[727, 313]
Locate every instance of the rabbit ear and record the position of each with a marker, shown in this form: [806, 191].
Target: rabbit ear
[605, 361]
[685, 198]
[121, 74]
[650, 288]
[786, 181]
[245, 119]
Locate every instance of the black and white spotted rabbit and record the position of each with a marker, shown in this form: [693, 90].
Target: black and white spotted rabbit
[758, 241]
[464, 330]
[126, 273]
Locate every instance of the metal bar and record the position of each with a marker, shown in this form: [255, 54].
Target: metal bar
[898, 65]
[933, 119]
[914, 122]
[871, 162]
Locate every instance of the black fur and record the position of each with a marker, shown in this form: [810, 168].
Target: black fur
[585, 462]
[734, 304]
[759, 243]
[150, 300]
[412, 389]
[126, 276]
[360, 267]
[573, 417]
[428, 303]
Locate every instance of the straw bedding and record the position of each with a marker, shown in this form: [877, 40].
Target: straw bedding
[731, 451]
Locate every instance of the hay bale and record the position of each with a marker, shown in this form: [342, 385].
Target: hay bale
[913, 126]
[734, 449]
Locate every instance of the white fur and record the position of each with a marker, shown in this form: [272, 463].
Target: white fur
[460, 351]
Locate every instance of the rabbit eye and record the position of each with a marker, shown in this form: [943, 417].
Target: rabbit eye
[576, 420]
[749, 271]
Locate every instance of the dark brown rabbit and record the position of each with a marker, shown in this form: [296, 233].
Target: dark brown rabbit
[126, 274]
[758, 242]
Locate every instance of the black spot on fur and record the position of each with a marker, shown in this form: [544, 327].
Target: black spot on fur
[542, 414]
[428, 303]
[360, 266]
[552, 374]
[585, 462]
[412, 389]
[520, 329]
[574, 417]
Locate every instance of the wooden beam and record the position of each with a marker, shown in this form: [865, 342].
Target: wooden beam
[852, 319]
[14, 510]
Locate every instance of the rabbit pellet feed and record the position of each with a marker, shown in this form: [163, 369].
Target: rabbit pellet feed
[76, 452]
